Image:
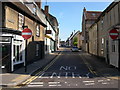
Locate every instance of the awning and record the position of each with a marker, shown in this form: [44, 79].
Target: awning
[11, 31]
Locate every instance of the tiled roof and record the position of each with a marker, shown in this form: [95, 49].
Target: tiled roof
[92, 15]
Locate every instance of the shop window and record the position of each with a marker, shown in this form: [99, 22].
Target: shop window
[21, 53]
[4, 50]
[17, 57]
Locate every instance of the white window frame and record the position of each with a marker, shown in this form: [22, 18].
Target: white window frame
[38, 30]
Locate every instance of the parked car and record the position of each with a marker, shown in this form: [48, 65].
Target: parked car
[75, 49]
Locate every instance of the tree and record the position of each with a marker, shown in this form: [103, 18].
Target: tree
[75, 41]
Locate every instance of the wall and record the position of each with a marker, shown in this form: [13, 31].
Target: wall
[11, 20]
[93, 40]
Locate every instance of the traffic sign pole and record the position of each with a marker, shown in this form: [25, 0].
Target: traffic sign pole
[26, 56]
[119, 52]
[26, 34]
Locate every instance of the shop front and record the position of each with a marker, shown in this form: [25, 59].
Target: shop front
[12, 50]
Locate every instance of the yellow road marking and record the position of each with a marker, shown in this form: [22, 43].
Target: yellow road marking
[37, 75]
[116, 78]
[93, 72]
[19, 78]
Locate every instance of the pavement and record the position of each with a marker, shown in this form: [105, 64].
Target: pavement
[18, 76]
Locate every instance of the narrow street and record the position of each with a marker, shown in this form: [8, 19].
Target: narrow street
[70, 70]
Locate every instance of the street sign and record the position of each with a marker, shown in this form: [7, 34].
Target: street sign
[114, 34]
[26, 33]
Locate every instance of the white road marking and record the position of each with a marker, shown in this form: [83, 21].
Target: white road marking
[105, 83]
[43, 77]
[35, 85]
[88, 81]
[100, 80]
[90, 84]
[64, 68]
[58, 77]
[76, 84]
[77, 75]
[53, 82]
[108, 79]
[53, 74]
[54, 85]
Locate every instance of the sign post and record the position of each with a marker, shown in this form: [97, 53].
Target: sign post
[26, 34]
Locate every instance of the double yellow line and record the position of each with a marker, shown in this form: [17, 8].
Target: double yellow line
[37, 74]
[88, 65]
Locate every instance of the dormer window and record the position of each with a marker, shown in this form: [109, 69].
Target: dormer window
[32, 7]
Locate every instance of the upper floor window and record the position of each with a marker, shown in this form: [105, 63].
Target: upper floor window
[21, 22]
[34, 9]
[102, 24]
[38, 30]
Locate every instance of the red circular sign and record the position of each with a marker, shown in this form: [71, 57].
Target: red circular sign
[114, 33]
[26, 33]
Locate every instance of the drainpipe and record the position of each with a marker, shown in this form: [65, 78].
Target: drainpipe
[119, 38]
[119, 51]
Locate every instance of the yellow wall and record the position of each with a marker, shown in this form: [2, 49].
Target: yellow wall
[11, 18]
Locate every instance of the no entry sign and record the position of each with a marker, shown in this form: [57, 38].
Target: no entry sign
[26, 33]
[114, 34]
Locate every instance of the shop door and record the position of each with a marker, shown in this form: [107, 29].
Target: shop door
[18, 52]
[5, 52]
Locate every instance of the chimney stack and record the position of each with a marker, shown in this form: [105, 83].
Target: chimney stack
[38, 4]
[47, 11]
[84, 9]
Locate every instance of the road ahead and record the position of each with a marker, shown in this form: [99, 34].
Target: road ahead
[69, 70]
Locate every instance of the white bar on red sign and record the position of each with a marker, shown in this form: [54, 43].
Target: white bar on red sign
[26, 33]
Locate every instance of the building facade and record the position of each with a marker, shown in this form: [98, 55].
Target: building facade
[93, 39]
[51, 33]
[100, 41]
[15, 17]
[110, 19]
[89, 17]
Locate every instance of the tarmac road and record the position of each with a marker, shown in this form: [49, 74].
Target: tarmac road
[70, 70]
